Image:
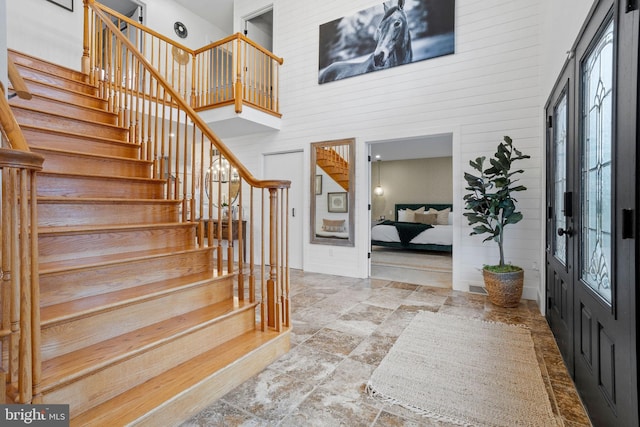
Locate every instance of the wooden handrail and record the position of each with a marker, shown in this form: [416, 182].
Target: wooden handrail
[17, 82]
[139, 26]
[239, 36]
[11, 158]
[193, 115]
[10, 125]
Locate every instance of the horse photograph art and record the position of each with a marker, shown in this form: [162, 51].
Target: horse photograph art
[392, 33]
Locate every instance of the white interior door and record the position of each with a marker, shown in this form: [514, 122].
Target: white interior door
[289, 166]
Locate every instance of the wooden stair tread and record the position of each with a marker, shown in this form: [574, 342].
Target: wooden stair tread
[97, 261]
[91, 229]
[88, 155]
[153, 393]
[57, 313]
[102, 177]
[78, 364]
[56, 75]
[79, 119]
[18, 57]
[99, 200]
[70, 104]
[76, 134]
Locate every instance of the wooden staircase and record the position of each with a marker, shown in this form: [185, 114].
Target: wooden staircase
[137, 325]
[335, 165]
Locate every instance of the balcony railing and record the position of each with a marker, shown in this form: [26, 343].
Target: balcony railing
[233, 71]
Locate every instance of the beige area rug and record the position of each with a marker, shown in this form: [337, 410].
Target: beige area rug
[465, 371]
[430, 261]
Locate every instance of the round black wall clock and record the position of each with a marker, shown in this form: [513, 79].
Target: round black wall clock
[181, 29]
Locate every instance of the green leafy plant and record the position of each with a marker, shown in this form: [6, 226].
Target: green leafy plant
[490, 202]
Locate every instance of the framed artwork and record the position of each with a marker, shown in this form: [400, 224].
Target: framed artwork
[338, 202]
[318, 185]
[391, 33]
[66, 4]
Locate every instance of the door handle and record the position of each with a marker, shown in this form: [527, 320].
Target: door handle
[293, 212]
[568, 231]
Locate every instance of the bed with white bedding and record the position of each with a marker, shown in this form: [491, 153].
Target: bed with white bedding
[418, 226]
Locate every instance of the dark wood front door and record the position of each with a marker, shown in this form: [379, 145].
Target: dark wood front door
[591, 259]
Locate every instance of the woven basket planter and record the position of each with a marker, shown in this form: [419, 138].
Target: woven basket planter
[504, 289]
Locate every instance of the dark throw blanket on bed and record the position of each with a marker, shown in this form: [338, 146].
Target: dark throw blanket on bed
[407, 230]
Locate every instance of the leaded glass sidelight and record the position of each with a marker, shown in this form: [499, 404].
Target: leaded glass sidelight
[560, 178]
[596, 169]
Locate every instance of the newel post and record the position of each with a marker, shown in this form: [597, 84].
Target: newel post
[193, 102]
[238, 86]
[86, 67]
[273, 300]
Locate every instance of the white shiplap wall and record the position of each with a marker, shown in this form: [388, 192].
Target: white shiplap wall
[488, 89]
[508, 53]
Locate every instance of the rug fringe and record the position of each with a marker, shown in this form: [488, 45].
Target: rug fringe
[370, 390]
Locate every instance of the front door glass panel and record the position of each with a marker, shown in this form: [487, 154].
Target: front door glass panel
[596, 170]
[560, 178]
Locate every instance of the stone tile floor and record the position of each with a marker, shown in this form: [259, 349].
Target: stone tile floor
[342, 329]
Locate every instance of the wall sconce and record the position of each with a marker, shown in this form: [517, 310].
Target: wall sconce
[378, 191]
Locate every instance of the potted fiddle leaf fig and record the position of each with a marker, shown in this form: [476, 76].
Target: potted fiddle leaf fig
[491, 207]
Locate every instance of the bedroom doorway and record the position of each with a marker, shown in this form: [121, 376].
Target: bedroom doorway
[399, 173]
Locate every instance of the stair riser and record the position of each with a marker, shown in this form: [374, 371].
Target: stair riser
[78, 333]
[114, 213]
[40, 88]
[68, 124]
[47, 67]
[92, 390]
[85, 186]
[82, 144]
[56, 247]
[187, 404]
[55, 80]
[66, 109]
[64, 162]
[59, 287]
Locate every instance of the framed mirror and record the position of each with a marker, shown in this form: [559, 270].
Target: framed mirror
[221, 176]
[333, 192]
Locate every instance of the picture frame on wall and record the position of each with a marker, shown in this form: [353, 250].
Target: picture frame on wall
[65, 4]
[337, 202]
[318, 185]
[386, 35]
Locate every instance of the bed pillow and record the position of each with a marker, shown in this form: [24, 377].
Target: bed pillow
[409, 215]
[335, 225]
[450, 221]
[443, 215]
[426, 218]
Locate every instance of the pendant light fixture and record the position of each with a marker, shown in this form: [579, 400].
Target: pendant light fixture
[378, 191]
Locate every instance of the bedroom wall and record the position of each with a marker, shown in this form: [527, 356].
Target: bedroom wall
[42, 29]
[411, 181]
